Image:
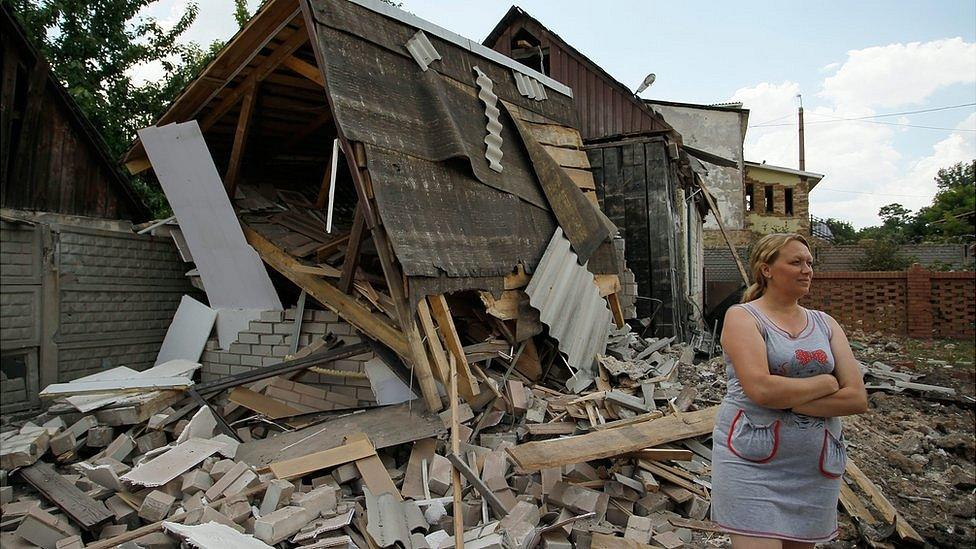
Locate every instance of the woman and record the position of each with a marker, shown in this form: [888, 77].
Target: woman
[778, 451]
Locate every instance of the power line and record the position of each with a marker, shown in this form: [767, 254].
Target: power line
[868, 119]
[874, 194]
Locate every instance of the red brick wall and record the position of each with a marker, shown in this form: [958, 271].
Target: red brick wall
[916, 303]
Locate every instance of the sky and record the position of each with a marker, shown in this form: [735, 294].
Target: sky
[877, 61]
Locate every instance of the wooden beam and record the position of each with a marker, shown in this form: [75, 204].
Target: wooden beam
[372, 470]
[82, 509]
[257, 74]
[441, 369]
[725, 235]
[456, 450]
[240, 140]
[298, 467]
[887, 510]
[351, 260]
[305, 69]
[442, 314]
[261, 404]
[533, 456]
[343, 305]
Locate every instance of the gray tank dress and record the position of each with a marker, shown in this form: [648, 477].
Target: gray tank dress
[777, 474]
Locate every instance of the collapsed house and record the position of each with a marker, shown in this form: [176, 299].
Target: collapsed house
[645, 180]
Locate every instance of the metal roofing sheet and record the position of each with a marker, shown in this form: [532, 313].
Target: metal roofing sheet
[569, 303]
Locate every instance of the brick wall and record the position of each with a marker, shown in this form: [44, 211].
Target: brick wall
[719, 266]
[915, 303]
[266, 342]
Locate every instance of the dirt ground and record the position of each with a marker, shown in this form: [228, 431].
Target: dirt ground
[919, 449]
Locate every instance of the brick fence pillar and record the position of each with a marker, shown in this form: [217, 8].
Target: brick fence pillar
[919, 307]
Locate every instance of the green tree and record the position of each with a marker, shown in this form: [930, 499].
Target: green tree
[883, 255]
[241, 15]
[951, 214]
[844, 232]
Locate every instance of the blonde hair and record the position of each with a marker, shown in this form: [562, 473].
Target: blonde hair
[765, 251]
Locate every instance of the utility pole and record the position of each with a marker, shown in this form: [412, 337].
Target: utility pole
[803, 162]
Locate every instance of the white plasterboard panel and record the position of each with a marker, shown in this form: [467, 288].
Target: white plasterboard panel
[231, 322]
[173, 463]
[173, 368]
[388, 388]
[213, 535]
[135, 385]
[231, 270]
[202, 425]
[188, 332]
[181, 246]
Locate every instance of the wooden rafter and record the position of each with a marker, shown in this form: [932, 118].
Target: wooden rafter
[257, 74]
[305, 69]
[442, 314]
[351, 261]
[343, 305]
[240, 139]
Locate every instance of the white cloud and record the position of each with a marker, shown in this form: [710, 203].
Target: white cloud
[829, 67]
[901, 74]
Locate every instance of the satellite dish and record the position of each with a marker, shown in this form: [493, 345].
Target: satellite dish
[648, 80]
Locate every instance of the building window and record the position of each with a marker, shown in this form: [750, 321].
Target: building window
[769, 199]
[789, 201]
[750, 198]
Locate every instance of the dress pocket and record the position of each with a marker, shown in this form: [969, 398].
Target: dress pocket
[833, 455]
[751, 442]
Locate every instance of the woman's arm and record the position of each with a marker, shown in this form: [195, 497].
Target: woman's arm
[747, 350]
[851, 398]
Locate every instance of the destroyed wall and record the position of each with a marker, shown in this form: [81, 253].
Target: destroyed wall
[636, 184]
[78, 300]
[266, 342]
[791, 215]
[718, 131]
[917, 303]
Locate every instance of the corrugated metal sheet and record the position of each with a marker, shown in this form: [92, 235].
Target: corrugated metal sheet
[529, 87]
[422, 50]
[493, 139]
[569, 303]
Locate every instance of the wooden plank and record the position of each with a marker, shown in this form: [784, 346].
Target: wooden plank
[452, 395]
[607, 541]
[618, 313]
[83, 510]
[413, 484]
[568, 158]
[581, 178]
[343, 305]
[351, 260]
[887, 510]
[496, 504]
[233, 173]
[442, 314]
[533, 456]
[297, 467]
[558, 136]
[261, 404]
[371, 468]
[854, 506]
[554, 428]
[663, 454]
[439, 357]
[607, 283]
[670, 476]
[701, 525]
[305, 69]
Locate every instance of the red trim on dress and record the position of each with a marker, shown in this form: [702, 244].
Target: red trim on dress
[728, 441]
[823, 456]
[774, 535]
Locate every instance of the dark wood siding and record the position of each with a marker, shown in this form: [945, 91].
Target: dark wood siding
[50, 160]
[605, 107]
[635, 183]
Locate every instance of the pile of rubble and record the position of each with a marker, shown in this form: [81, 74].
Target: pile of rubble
[222, 462]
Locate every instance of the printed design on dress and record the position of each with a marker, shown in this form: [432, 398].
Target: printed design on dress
[804, 422]
[804, 357]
